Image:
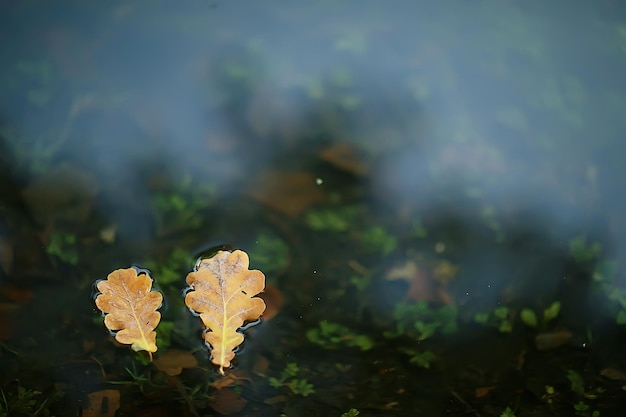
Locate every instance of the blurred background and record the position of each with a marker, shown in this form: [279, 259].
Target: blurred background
[434, 191]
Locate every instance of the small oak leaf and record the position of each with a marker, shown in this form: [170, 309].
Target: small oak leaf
[130, 307]
[222, 292]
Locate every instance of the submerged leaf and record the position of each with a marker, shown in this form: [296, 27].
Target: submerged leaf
[223, 293]
[102, 403]
[287, 192]
[174, 361]
[130, 307]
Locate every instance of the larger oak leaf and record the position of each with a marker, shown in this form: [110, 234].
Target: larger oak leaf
[222, 291]
[130, 307]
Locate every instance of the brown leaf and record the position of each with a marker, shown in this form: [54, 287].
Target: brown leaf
[613, 374]
[552, 340]
[287, 192]
[63, 194]
[130, 307]
[274, 301]
[102, 403]
[227, 401]
[483, 391]
[261, 365]
[173, 361]
[222, 293]
[237, 377]
[345, 157]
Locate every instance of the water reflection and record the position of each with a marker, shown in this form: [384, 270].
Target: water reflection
[471, 154]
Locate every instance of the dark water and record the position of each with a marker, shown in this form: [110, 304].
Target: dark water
[434, 188]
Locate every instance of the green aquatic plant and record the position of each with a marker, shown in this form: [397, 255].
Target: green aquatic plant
[498, 318]
[582, 251]
[301, 387]
[338, 219]
[421, 321]
[488, 214]
[583, 409]
[333, 336]
[164, 334]
[508, 413]
[140, 375]
[549, 394]
[377, 239]
[361, 281]
[270, 253]
[288, 379]
[578, 386]
[23, 402]
[63, 245]
[605, 272]
[529, 317]
[421, 359]
[180, 207]
[32, 155]
[353, 412]
[173, 269]
[419, 230]
[619, 295]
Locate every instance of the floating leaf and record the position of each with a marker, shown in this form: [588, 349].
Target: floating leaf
[130, 307]
[223, 293]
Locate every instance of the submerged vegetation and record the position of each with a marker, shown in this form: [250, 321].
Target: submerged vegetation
[334, 336]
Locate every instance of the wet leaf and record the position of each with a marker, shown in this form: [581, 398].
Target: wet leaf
[274, 301]
[613, 374]
[235, 378]
[345, 157]
[223, 293]
[552, 340]
[529, 318]
[173, 361]
[130, 307]
[62, 194]
[552, 311]
[227, 401]
[483, 391]
[102, 403]
[287, 192]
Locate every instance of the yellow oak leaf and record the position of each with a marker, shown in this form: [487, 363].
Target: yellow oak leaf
[222, 291]
[130, 307]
